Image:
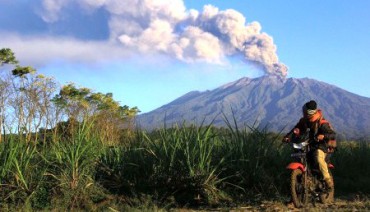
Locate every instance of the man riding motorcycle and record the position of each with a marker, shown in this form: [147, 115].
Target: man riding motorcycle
[321, 132]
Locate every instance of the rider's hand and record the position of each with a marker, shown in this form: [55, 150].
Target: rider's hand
[286, 140]
[320, 137]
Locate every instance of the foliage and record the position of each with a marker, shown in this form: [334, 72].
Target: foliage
[22, 171]
[352, 171]
[255, 160]
[20, 71]
[100, 110]
[177, 166]
[7, 57]
[30, 106]
[185, 164]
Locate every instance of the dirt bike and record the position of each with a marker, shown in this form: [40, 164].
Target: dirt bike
[306, 183]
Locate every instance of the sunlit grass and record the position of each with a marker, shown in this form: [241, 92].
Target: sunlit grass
[184, 165]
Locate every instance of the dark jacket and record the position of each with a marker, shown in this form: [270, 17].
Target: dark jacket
[320, 126]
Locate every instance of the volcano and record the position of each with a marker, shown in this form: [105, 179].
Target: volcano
[268, 101]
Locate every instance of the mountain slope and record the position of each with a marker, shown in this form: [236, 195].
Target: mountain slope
[268, 100]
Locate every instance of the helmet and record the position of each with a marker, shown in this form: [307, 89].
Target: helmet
[309, 109]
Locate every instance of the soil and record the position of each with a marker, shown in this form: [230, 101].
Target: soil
[340, 204]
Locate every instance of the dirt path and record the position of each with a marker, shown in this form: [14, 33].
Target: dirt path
[340, 204]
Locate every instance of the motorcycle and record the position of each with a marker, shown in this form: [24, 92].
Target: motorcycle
[306, 183]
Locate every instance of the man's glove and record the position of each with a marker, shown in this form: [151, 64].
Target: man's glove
[286, 139]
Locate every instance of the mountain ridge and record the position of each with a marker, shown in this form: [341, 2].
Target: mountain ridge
[267, 100]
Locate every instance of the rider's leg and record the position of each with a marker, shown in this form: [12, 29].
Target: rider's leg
[323, 167]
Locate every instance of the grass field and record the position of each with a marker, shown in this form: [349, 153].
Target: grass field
[189, 167]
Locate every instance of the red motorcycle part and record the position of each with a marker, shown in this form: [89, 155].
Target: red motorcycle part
[296, 165]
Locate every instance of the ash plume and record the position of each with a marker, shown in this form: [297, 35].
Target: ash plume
[168, 27]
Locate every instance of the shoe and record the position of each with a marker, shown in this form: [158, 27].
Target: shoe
[289, 203]
[329, 183]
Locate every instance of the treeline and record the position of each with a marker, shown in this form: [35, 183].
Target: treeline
[36, 108]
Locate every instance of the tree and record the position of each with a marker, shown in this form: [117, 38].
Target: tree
[105, 115]
[6, 57]
[27, 97]
[22, 102]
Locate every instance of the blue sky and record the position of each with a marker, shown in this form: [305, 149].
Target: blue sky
[149, 52]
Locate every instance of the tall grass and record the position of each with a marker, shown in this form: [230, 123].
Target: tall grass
[178, 163]
[186, 161]
[184, 165]
[72, 165]
[352, 169]
[21, 171]
[255, 161]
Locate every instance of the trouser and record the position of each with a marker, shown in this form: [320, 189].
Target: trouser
[320, 161]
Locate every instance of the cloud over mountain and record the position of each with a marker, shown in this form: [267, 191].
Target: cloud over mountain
[164, 27]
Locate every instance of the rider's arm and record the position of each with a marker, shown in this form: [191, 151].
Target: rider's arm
[301, 125]
[327, 131]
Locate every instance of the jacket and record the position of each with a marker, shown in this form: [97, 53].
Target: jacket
[317, 127]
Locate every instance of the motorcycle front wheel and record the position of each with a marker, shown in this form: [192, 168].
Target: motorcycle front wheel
[297, 188]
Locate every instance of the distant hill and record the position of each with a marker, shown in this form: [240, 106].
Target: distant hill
[267, 100]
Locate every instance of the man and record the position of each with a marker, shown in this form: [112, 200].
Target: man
[322, 135]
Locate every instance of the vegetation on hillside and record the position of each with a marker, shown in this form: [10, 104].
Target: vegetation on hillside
[71, 148]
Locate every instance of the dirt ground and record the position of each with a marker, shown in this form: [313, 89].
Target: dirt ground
[341, 204]
[338, 205]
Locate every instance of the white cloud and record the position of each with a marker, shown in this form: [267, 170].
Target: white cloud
[53, 9]
[163, 27]
[37, 51]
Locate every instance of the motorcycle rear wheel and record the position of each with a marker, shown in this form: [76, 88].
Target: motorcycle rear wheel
[297, 188]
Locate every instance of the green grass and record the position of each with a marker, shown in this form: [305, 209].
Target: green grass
[183, 166]
[352, 170]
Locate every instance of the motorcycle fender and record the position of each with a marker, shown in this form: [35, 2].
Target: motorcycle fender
[330, 166]
[296, 165]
